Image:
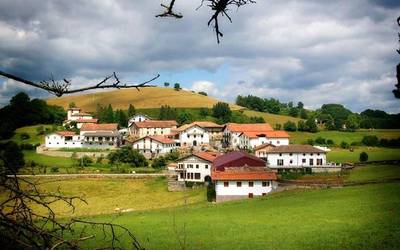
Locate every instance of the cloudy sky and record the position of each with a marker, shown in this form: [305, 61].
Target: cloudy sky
[311, 51]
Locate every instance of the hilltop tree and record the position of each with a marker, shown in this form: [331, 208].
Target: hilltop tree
[177, 86]
[166, 84]
[121, 118]
[222, 112]
[109, 114]
[300, 105]
[167, 113]
[131, 110]
[72, 105]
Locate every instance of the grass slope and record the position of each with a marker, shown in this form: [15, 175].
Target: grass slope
[363, 217]
[34, 138]
[349, 137]
[153, 97]
[272, 118]
[374, 173]
[374, 154]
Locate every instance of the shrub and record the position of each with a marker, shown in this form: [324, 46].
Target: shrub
[370, 140]
[211, 193]
[344, 145]
[330, 142]
[159, 162]
[320, 141]
[85, 161]
[172, 156]
[99, 160]
[310, 142]
[289, 126]
[24, 136]
[363, 157]
[54, 169]
[203, 93]
[128, 155]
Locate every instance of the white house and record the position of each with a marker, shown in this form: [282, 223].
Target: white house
[63, 139]
[199, 133]
[239, 175]
[232, 131]
[154, 145]
[75, 114]
[294, 157]
[100, 135]
[195, 167]
[250, 140]
[138, 118]
[152, 127]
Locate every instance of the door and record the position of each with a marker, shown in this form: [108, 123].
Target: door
[194, 143]
[250, 195]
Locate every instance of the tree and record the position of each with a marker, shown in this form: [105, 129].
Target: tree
[293, 111]
[289, 126]
[166, 84]
[301, 126]
[177, 86]
[370, 140]
[320, 141]
[204, 112]
[203, 93]
[131, 110]
[363, 157]
[167, 113]
[222, 112]
[129, 156]
[311, 126]
[303, 114]
[300, 105]
[159, 162]
[184, 118]
[352, 122]
[72, 105]
[344, 145]
[109, 114]
[121, 118]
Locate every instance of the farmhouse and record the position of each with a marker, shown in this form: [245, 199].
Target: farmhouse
[63, 139]
[152, 127]
[154, 145]
[138, 118]
[195, 167]
[76, 115]
[250, 140]
[199, 133]
[294, 157]
[239, 175]
[232, 131]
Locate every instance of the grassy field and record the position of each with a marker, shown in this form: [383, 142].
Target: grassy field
[31, 155]
[272, 118]
[374, 154]
[143, 99]
[349, 137]
[363, 217]
[373, 173]
[104, 195]
[31, 131]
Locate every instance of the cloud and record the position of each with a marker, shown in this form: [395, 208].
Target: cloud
[313, 51]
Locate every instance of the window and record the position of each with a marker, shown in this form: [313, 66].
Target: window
[188, 176]
[303, 160]
[311, 154]
[265, 183]
[319, 161]
[197, 176]
[206, 166]
[280, 154]
[290, 154]
[317, 153]
[197, 165]
[304, 154]
[181, 175]
[280, 162]
[226, 184]
[278, 142]
[291, 161]
[250, 195]
[251, 184]
[191, 175]
[264, 194]
[238, 184]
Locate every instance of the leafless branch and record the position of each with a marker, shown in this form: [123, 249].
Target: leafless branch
[62, 88]
[169, 12]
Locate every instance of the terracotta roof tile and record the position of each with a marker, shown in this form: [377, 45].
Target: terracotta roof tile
[264, 146]
[66, 133]
[86, 121]
[159, 138]
[254, 127]
[268, 134]
[96, 127]
[155, 124]
[208, 156]
[243, 176]
[202, 124]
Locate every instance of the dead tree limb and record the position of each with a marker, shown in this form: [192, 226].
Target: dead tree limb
[169, 12]
[59, 88]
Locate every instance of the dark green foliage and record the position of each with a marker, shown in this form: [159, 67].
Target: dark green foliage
[260, 104]
[344, 145]
[54, 169]
[301, 126]
[294, 112]
[167, 113]
[352, 122]
[23, 112]
[379, 119]
[121, 118]
[363, 157]
[177, 86]
[11, 158]
[256, 119]
[300, 105]
[159, 162]
[222, 112]
[109, 114]
[370, 140]
[185, 118]
[289, 126]
[330, 142]
[338, 112]
[390, 143]
[24, 136]
[320, 141]
[278, 126]
[204, 112]
[203, 93]
[303, 114]
[172, 156]
[211, 194]
[129, 156]
[310, 142]
[131, 110]
[166, 84]
[311, 126]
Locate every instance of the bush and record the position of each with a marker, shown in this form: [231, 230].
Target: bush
[40, 130]
[128, 155]
[370, 140]
[289, 126]
[85, 161]
[320, 141]
[24, 136]
[330, 142]
[344, 145]
[159, 162]
[172, 156]
[54, 170]
[211, 193]
[363, 157]
[310, 142]
[27, 146]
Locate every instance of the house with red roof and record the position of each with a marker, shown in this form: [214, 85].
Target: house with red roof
[76, 114]
[152, 127]
[199, 133]
[250, 140]
[196, 167]
[239, 175]
[152, 146]
[232, 132]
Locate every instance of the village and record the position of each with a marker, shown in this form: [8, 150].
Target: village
[239, 160]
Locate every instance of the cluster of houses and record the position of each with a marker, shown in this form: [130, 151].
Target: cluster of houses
[236, 174]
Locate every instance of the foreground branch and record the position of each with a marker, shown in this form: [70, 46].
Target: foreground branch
[169, 12]
[62, 88]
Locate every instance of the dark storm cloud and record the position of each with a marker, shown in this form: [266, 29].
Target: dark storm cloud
[272, 47]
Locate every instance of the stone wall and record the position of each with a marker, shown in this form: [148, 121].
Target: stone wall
[45, 151]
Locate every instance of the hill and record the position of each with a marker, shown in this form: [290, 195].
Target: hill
[272, 119]
[146, 98]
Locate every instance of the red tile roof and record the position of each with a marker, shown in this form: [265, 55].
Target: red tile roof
[155, 124]
[101, 127]
[159, 138]
[243, 176]
[255, 127]
[264, 146]
[66, 133]
[86, 121]
[208, 156]
[237, 159]
[81, 114]
[268, 134]
[200, 124]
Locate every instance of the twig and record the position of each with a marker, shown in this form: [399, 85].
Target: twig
[169, 12]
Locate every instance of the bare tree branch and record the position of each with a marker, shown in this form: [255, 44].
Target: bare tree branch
[169, 12]
[62, 88]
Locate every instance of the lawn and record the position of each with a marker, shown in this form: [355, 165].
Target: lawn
[374, 154]
[104, 195]
[373, 173]
[362, 217]
[349, 137]
[31, 155]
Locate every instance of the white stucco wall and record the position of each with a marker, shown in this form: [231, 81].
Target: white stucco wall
[142, 132]
[195, 133]
[146, 145]
[296, 158]
[244, 190]
[193, 165]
